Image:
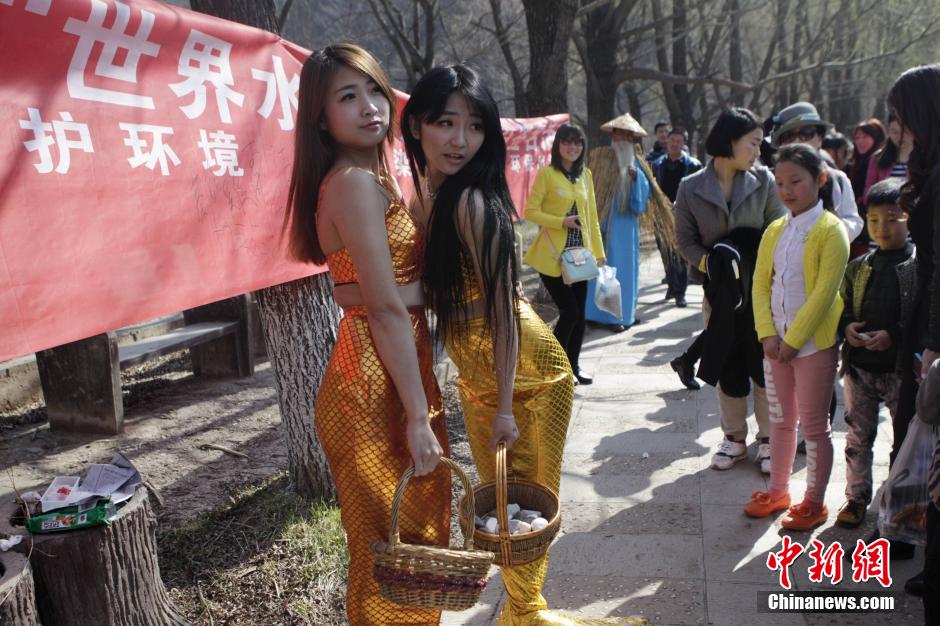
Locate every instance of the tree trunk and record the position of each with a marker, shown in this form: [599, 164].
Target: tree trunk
[735, 64]
[299, 320]
[661, 36]
[258, 13]
[17, 592]
[549, 23]
[503, 38]
[602, 37]
[104, 575]
[680, 65]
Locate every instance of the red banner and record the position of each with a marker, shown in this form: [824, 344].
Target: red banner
[145, 153]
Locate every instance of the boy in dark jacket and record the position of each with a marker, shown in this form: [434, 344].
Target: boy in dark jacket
[878, 290]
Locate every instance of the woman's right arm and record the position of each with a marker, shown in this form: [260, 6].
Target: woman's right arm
[534, 206]
[688, 239]
[360, 223]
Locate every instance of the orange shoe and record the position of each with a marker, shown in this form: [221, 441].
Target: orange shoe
[805, 516]
[762, 504]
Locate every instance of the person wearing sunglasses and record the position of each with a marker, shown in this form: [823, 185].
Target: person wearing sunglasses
[800, 123]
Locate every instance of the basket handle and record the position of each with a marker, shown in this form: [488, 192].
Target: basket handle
[502, 501]
[469, 508]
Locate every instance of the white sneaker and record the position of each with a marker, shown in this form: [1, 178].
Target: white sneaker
[729, 453]
[763, 457]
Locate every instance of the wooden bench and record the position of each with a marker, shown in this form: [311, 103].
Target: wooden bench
[81, 381]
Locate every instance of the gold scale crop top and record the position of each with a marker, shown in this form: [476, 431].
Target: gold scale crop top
[405, 243]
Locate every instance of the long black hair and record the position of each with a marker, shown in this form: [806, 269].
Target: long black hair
[809, 159]
[484, 173]
[567, 132]
[915, 99]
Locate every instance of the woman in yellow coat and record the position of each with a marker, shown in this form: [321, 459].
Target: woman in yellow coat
[562, 204]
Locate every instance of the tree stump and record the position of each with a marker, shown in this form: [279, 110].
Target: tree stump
[105, 575]
[17, 594]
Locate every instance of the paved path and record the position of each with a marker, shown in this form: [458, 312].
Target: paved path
[663, 535]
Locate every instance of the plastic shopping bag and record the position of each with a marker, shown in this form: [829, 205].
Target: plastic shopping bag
[607, 291]
[902, 514]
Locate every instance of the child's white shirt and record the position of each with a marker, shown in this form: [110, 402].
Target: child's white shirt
[788, 290]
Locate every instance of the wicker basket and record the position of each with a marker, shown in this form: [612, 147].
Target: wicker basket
[519, 549]
[430, 576]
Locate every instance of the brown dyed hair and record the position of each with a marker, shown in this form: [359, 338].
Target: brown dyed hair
[314, 148]
[874, 129]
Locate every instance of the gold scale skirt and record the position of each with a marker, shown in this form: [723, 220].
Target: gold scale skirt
[361, 424]
[542, 399]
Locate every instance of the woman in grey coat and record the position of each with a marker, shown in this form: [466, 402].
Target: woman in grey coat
[731, 192]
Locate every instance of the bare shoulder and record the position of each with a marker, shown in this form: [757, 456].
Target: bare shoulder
[353, 192]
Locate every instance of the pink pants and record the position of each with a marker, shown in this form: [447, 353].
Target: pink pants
[801, 389]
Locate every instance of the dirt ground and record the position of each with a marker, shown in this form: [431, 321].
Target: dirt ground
[169, 415]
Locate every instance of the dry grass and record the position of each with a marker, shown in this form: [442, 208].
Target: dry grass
[269, 558]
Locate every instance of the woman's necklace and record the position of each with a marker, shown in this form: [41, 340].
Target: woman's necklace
[427, 189]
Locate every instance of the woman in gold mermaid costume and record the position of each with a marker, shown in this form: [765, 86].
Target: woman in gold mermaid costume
[378, 408]
[514, 378]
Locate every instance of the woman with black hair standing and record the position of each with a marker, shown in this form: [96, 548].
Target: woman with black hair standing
[732, 191]
[514, 378]
[562, 204]
[915, 101]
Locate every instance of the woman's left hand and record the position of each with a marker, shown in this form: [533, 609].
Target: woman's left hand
[504, 429]
[787, 352]
[601, 262]
[929, 357]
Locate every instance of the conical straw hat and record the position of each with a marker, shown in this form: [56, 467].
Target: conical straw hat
[624, 122]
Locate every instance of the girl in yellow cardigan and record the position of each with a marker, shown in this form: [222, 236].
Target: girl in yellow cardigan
[799, 269]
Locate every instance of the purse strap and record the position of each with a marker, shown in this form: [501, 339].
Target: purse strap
[543, 231]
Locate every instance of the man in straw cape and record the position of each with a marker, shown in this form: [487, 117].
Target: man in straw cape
[626, 194]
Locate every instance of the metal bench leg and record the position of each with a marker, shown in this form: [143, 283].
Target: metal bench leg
[81, 383]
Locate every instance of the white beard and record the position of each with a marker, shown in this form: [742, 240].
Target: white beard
[626, 156]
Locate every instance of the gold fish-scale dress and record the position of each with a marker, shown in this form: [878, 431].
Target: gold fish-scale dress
[361, 424]
[543, 394]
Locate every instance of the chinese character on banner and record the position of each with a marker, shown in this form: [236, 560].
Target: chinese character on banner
[514, 164]
[871, 561]
[285, 91]
[40, 7]
[42, 141]
[400, 162]
[159, 152]
[205, 59]
[784, 559]
[221, 152]
[826, 563]
[115, 42]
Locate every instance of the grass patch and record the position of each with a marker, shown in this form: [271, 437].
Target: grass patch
[271, 557]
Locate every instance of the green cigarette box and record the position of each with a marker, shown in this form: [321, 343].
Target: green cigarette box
[73, 517]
